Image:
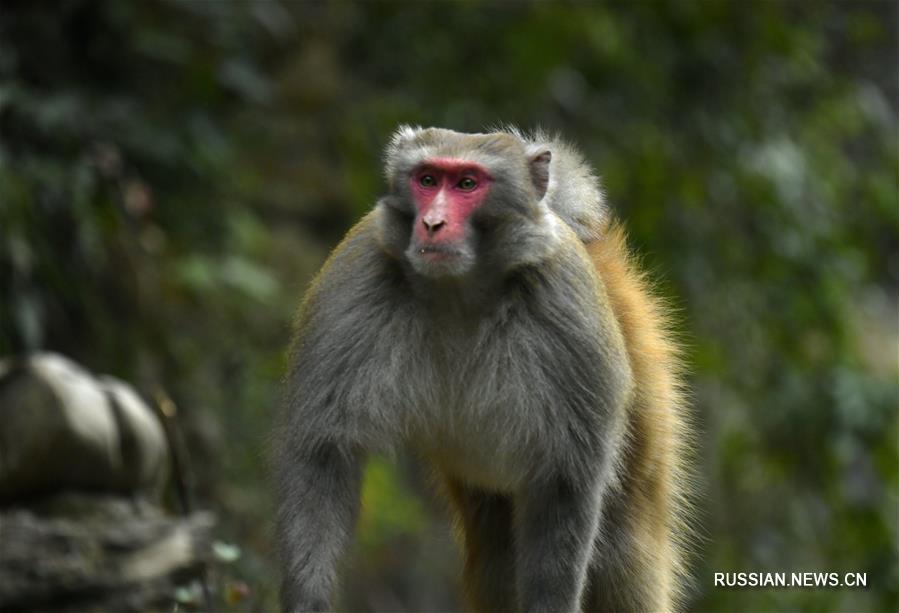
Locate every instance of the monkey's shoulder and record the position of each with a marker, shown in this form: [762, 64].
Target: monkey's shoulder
[353, 272]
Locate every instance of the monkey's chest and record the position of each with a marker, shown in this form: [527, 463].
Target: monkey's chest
[491, 427]
[494, 404]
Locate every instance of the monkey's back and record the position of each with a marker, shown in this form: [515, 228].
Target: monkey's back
[653, 483]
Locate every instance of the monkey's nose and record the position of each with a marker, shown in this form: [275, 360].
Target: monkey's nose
[432, 226]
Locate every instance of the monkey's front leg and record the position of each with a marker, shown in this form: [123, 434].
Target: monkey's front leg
[556, 523]
[317, 509]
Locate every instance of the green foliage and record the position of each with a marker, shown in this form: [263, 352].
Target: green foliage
[171, 174]
[388, 508]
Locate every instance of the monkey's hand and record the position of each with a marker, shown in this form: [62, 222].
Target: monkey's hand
[309, 605]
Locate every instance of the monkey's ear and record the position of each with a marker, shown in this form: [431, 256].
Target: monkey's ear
[539, 166]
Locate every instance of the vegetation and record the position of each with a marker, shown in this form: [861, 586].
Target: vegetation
[172, 173]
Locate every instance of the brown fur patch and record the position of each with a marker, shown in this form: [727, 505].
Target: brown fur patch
[653, 479]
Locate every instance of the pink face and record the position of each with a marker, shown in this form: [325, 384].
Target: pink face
[446, 192]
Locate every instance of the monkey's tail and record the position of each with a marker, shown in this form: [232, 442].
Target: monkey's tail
[655, 481]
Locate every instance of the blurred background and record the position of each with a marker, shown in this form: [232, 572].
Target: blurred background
[173, 172]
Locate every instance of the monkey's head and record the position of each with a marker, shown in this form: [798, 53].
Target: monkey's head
[464, 202]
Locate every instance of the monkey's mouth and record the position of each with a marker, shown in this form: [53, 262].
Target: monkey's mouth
[439, 260]
[437, 252]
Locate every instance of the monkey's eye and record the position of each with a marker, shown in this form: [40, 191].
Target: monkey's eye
[427, 181]
[467, 184]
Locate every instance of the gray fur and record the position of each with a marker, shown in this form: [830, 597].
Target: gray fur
[508, 374]
[574, 192]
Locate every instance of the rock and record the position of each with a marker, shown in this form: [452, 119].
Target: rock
[78, 552]
[144, 451]
[63, 429]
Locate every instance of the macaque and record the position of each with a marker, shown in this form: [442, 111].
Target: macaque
[487, 315]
